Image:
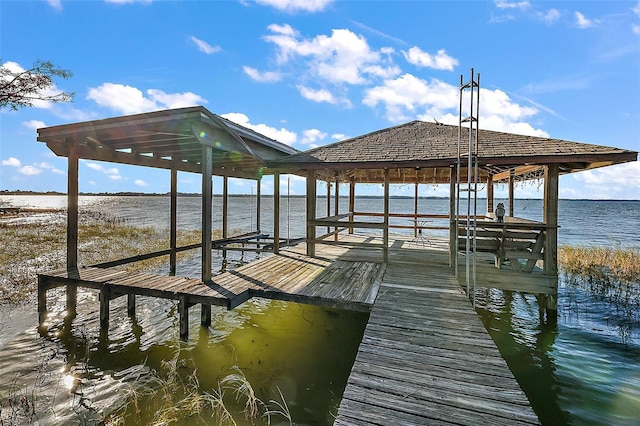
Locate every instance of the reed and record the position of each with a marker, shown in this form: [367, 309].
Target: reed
[37, 243]
[174, 395]
[607, 273]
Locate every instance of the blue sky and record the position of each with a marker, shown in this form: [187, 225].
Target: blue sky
[312, 72]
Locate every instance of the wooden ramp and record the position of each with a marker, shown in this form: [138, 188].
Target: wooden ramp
[426, 358]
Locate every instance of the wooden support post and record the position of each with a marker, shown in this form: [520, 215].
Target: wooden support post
[105, 298]
[205, 315]
[453, 223]
[42, 298]
[131, 304]
[328, 203]
[385, 231]
[207, 231]
[174, 220]
[72, 223]
[276, 212]
[352, 200]
[336, 205]
[225, 207]
[550, 212]
[311, 213]
[207, 187]
[183, 313]
[258, 196]
[415, 210]
[490, 194]
[512, 179]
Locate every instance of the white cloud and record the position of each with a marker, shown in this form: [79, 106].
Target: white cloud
[47, 166]
[610, 182]
[503, 4]
[338, 136]
[408, 98]
[293, 6]
[312, 137]
[320, 95]
[439, 61]
[130, 100]
[112, 172]
[56, 4]
[583, 22]
[140, 182]
[262, 77]
[34, 124]
[341, 58]
[12, 162]
[403, 96]
[636, 27]
[281, 135]
[551, 16]
[205, 47]
[92, 182]
[29, 170]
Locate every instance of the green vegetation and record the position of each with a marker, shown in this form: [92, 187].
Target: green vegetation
[611, 274]
[36, 242]
[173, 395]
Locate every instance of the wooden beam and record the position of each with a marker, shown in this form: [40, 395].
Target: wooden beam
[490, 194]
[352, 200]
[258, 196]
[225, 207]
[511, 192]
[72, 223]
[415, 209]
[336, 208]
[311, 212]
[105, 297]
[453, 226]
[550, 212]
[207, 187]
[385, 231]
[173, 237]
[276, 213]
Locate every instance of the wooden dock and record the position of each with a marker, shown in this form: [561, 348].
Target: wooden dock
[425, 357]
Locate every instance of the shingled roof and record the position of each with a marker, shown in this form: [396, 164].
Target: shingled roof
[429, 149]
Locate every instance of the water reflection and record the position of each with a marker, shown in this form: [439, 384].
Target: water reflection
[304, 352]
[576, 371]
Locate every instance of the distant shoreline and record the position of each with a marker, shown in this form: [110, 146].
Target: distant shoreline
[194, 194]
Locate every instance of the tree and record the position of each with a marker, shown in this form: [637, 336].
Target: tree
[20, 88]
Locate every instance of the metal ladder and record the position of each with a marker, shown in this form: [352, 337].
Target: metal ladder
[471, 184]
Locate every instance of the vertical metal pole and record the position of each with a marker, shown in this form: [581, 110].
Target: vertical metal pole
[336, 206]
[385, 236]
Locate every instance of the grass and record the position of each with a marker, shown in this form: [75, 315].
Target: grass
[174, 395]
[608, 273]
[39, 244]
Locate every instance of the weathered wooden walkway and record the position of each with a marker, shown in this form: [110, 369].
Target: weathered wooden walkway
[425, 357]
[288, 276]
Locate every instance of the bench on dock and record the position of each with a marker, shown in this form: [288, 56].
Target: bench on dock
[519, 241]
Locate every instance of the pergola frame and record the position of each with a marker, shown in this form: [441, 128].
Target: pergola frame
[185, 139]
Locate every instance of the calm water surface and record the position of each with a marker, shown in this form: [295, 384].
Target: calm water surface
[584, 370]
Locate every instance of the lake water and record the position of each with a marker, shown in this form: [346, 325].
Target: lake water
[584, 370]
